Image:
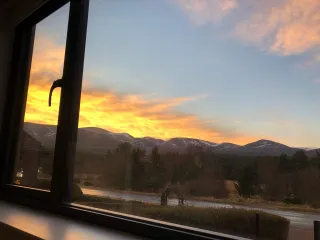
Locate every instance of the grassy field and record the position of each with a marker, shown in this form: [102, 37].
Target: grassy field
[261, 203]
[234, 198]
[230, 221]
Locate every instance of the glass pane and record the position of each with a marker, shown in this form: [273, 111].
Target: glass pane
[213, 105]
[34, 163]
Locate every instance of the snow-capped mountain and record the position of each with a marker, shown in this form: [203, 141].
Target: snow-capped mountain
[181, 144]
[266, 144]
[148, 143]
[101, 140]
[225, 147]
[89, 138]
[265, 147]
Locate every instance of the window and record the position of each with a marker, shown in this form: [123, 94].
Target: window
[33, 166]
[184, 117]
[35, 158]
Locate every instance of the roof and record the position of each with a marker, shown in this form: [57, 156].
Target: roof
[30, 143]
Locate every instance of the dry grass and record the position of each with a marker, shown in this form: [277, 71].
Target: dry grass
[226, 220]
[257, 202]
[234, 198]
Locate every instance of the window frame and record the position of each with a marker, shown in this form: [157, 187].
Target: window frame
[17, 90]
[59, 199]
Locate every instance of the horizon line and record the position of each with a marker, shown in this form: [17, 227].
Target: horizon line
[262, 139]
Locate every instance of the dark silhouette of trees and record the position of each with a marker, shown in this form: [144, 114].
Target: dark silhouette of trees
[316, 161]
[248, 184]
[284, 163]
[209, 181]
[137, 169]
[300, 160]
[118, 167]
[199, 173]
[156, 172]
[124, 149]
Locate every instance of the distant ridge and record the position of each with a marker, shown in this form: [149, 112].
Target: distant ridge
[101, 140]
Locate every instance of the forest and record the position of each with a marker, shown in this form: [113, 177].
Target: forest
[291, 179]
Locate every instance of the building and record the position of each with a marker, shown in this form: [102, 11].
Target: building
[32, 156]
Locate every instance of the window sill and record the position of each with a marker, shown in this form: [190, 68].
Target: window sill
[48, 226]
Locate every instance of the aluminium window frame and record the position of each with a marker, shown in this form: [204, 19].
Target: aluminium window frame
[58, 200]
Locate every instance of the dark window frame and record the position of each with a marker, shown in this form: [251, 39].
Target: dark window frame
[17, 90]
[58, 200]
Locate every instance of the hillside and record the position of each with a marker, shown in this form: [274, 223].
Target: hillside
[100, 140]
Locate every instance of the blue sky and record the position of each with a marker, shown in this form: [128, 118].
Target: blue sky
[236, 82]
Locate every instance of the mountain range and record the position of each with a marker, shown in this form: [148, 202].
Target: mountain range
[100, 140]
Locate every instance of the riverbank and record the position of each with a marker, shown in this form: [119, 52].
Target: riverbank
[233, 221]
[260, 203]
[241, 202]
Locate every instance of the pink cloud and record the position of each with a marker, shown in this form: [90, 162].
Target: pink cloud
[317, 80]
[316, 58]
[205, 11]
[282, 27]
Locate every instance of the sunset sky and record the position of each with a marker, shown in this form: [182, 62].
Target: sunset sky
[220, 70]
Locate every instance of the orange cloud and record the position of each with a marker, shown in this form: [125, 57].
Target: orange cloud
[129, 113]
[47, 59]
[204, 11]
[283, 27]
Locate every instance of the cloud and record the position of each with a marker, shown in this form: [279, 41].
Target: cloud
[47, 59]
[316, 58]
[317, 80]
[137, 115]
[282, 27]
[205, 11]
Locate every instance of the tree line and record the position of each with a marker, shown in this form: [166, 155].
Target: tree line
[292, 179]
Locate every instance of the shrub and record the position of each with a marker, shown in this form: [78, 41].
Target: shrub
[226, 220]
[231, 221]
[206, 187]
[86, 183]
[292, 199]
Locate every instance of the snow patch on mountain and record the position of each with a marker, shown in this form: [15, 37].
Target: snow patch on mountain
[90, 138]
[124, 135]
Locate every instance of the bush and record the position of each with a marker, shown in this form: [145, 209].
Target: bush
[292, 199]
[205, 187]
[231, 221]
[226, 220]
[86, 183]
